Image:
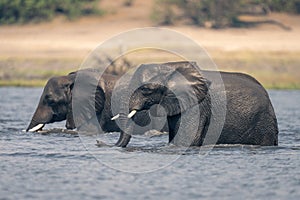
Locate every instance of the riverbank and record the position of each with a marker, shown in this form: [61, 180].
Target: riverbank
[275, 70]
[32, 53]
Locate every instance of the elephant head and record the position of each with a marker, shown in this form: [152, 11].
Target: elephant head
[55, 103]
[177, 86]
[58, 97]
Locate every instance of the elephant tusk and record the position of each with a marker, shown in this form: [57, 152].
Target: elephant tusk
[131, 114]
[115, 117]
[36, 128]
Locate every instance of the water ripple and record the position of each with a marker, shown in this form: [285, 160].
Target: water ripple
[59, 166]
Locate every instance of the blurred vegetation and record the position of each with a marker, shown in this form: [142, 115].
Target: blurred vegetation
[24, 11]
[289, 6]
[209, 13]
[276, 70]
[128, 2]
[217, 13]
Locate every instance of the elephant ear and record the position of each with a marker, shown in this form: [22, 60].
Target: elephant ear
[72, 76]
[70, 83]
[70, 124]
[86, 94]
[186, 87]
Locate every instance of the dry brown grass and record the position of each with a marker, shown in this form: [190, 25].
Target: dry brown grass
[30, 54]
[273, 69]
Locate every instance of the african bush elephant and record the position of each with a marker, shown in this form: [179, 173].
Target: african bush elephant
[183, 91]
[57, 101]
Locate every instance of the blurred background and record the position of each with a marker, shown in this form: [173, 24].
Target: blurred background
[43, 38]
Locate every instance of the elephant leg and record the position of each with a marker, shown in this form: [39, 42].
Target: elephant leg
[174, 123]
[188, 128]
[260, 133]
[70, 124]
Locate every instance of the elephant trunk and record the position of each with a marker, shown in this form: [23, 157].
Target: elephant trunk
[126, 127]
[123, 139]
[42, 116]
[34, 126]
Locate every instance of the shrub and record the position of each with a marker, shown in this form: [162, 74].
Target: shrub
[217, 13]
[23, 11]
[289, 6]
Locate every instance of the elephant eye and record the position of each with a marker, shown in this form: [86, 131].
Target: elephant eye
[65, 86]
[50, 101]
[146, 91]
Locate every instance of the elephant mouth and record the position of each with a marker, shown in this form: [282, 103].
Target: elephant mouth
[131, 114]
[36, 128]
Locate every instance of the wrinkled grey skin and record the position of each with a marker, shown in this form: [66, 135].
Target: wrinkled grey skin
[250, 118]
[56, 103]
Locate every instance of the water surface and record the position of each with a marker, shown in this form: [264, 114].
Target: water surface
[58, 166]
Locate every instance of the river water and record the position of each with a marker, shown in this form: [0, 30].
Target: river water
[63, 166]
